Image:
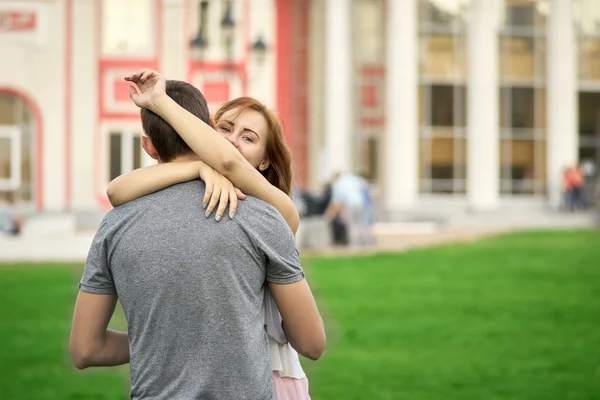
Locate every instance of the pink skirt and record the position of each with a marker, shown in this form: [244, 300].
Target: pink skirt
[290, 388]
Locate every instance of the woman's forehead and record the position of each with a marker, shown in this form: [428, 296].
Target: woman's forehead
[247, 117]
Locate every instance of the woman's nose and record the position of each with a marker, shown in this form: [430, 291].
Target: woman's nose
[233, 140]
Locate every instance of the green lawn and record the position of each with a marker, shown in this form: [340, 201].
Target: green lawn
[516, 317]
[36, 305]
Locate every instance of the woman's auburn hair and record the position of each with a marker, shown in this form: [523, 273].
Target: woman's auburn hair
[279, 171]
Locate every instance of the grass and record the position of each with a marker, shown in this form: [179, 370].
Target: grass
[516, 317]
[36, 304]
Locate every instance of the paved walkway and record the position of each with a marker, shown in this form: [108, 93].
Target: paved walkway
[64, 247]
[404, 242]
[74, 248]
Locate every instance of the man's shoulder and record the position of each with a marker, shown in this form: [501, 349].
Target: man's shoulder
[175, 193]
[256, 210]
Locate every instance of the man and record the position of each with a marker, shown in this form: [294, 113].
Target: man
[348, 202]
[11, 223]
[191, 288]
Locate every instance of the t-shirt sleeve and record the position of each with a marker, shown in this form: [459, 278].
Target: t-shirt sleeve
[97, 277]
[276, 240]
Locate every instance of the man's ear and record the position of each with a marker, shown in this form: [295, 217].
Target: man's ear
[211, 122]
[264, 164]
[149, 147]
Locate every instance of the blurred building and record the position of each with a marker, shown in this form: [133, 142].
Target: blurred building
[442, 104]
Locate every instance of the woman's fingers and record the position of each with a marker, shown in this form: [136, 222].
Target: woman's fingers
[239, 194]
[222, 203]
[214, 200]
[207, 195]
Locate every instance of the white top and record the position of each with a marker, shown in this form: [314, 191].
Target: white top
[349, 190]
[283, 357]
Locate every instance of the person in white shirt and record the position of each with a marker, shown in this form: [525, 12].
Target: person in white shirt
[348, 201]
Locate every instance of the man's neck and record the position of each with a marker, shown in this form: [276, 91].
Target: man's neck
[186, 158]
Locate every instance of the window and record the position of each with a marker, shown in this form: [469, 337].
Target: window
[368, 36]
[17, 149]
[443, 164]
[444, 14]
[370, 30]
[522, 143]
[124, 152]
[443, 143]
[589, 59]
[588, 24]
[442, 96]
[589, 128]
[525, 14]
[369, 159]
[587, 15]
[523, 98]
[518, 57]
[128, 30]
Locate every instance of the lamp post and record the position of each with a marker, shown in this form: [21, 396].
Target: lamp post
[259, 50]
[228, 30]
[200, 42]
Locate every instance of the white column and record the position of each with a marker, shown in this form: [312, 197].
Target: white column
[402, 140]
[316, 105]
[84, 107]
[338, 70]
[175, 40]
[483, 169]
[562, 135]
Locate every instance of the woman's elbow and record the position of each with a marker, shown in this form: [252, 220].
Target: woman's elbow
[313, 350]
[111, 193]
[80, 357]
[314, 353]
[229, 162]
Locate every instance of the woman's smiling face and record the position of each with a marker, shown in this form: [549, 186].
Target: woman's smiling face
[248, 133]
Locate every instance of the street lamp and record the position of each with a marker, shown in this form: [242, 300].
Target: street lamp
[200, 42]
[259, 50]
[228, 29]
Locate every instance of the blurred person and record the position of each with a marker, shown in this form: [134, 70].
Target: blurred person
[178, 271]
[567, 188]
[348, 203]
[369, 209]
[12, 224]
[574, 185]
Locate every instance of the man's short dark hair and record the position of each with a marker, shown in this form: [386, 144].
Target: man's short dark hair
[169, 145]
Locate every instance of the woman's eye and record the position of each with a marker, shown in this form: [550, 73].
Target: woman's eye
[225, 129]
[248, 139]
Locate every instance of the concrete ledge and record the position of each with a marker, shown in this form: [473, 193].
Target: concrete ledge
[49, 225]
[314, 232]
[46, 248]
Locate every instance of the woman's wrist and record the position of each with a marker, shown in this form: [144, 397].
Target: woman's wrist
[201, 168]
[159, 104]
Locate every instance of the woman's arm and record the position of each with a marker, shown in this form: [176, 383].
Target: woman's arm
[144, 181]
[211, 147]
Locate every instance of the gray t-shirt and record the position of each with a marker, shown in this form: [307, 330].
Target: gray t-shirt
[192, 291]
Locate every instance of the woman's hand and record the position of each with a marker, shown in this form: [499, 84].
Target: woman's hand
[152, 87]
[219, 190]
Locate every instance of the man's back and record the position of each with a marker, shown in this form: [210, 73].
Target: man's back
[192, 292]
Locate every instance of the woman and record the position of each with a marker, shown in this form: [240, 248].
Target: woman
[255, 132]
